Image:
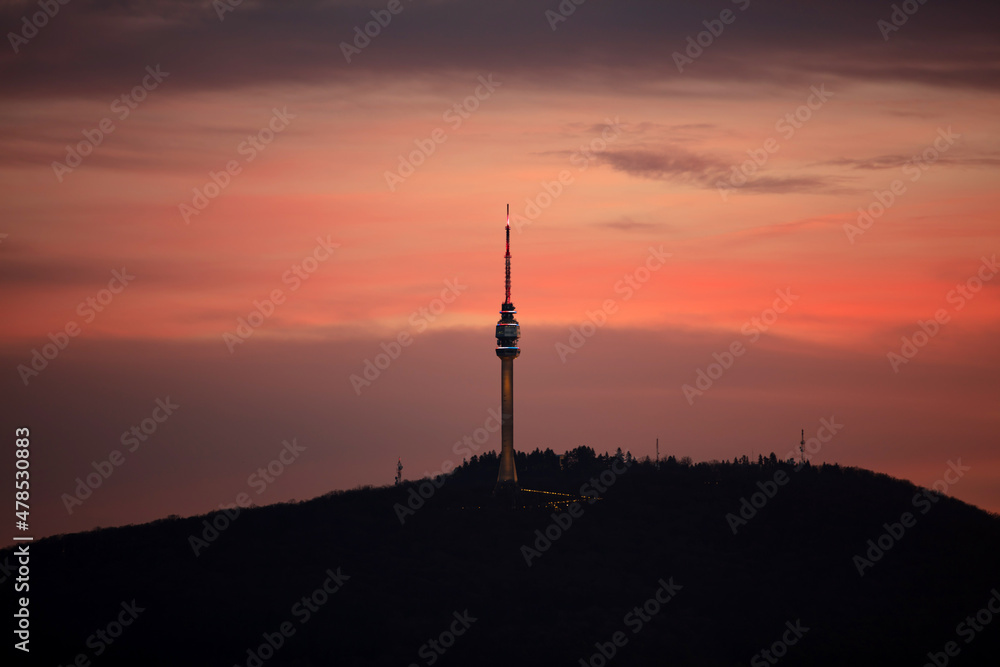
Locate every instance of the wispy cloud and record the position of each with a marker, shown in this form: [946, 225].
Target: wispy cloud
[897, 161]
[668, 164]
[705, 171]
[626, 224]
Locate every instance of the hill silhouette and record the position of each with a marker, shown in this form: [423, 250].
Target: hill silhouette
[654, 565]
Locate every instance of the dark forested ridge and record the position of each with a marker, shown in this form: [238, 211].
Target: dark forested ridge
[662, 569]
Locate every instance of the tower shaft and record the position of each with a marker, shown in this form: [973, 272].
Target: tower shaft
[508, 473]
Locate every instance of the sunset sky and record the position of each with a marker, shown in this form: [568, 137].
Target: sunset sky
[225, 153]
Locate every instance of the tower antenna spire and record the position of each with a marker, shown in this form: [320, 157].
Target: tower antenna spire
[507, 259]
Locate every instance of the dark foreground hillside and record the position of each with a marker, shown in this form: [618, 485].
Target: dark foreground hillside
[650, 574]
